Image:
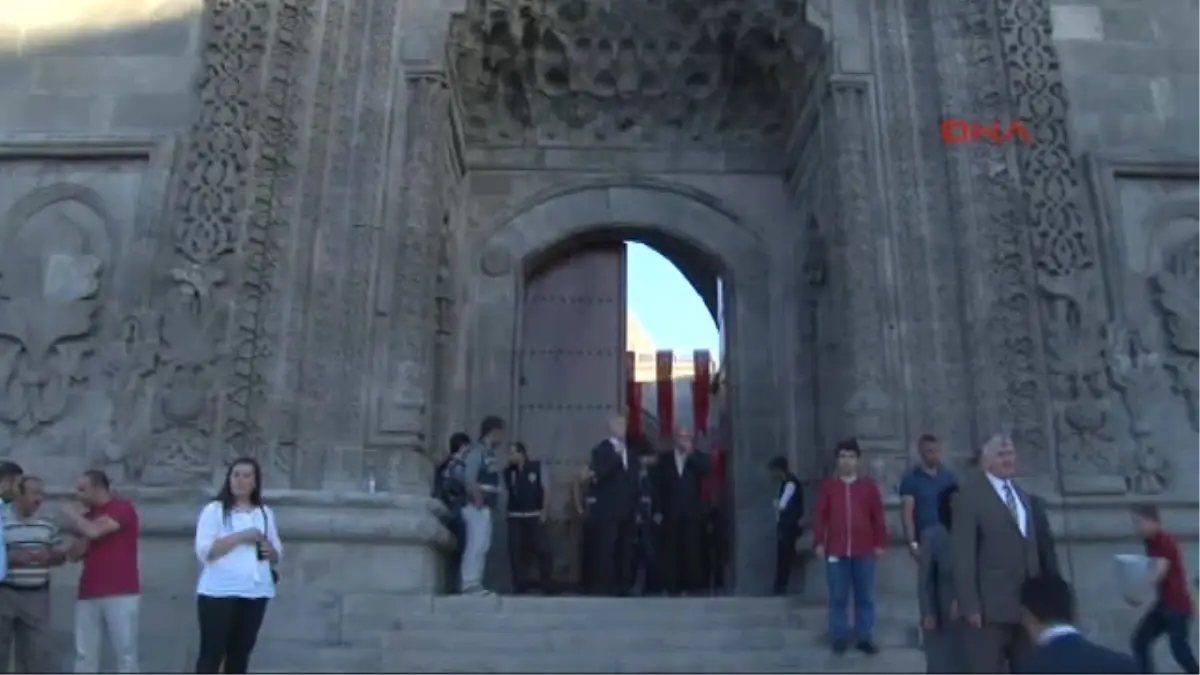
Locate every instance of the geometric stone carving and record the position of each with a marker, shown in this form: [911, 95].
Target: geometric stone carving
[1063, 250]
[53, 247]
[638, 71]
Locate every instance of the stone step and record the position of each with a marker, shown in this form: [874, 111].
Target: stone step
[507, 638]
[588, 660]
[545, 622]
[594, 605]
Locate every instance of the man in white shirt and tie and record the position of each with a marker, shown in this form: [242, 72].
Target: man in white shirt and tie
[615, 482]
[1000, 538]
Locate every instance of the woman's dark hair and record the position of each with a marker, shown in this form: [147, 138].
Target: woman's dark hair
[945, 505]
[225, 496]
[520, 448]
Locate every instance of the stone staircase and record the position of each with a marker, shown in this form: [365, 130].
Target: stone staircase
[636, 635]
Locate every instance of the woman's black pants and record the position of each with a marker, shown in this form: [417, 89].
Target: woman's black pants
[228, 631]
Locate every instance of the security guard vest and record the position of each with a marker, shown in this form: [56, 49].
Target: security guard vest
[526, 494]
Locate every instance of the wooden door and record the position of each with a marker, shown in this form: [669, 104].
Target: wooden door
[571, 375]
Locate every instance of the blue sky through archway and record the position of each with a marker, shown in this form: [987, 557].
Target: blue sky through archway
[669, 309]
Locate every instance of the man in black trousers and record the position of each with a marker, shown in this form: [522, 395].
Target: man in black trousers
[680, 474]
[789, 509]
[615, 474]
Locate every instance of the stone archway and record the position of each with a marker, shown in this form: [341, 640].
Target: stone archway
[544, 222]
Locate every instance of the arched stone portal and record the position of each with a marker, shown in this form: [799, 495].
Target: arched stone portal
[522, 237]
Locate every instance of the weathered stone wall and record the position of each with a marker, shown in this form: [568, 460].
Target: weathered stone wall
[307, 291]
[1130, 72]
[125, 66]
[191, 210]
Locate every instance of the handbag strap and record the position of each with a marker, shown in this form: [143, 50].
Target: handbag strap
[266, 521]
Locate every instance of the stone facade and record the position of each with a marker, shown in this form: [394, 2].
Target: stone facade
[298, 229]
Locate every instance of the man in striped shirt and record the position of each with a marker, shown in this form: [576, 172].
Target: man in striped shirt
[10, 475]
[33, 546]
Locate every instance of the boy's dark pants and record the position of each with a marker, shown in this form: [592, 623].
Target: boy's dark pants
[1175, 625]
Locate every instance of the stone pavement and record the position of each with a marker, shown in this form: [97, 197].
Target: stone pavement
[637, 635]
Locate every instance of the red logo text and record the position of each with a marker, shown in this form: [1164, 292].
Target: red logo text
[966, 131]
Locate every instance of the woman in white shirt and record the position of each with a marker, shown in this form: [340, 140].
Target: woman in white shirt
[237, 545]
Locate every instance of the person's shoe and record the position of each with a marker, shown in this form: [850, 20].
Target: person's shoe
[867, 647]
[838, 647]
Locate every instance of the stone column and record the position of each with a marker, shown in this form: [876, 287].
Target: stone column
[861, 275]
[346, 227]
[406, 274]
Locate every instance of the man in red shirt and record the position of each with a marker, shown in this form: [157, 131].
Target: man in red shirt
[107, 527]
[1171, 612]
[850, 533]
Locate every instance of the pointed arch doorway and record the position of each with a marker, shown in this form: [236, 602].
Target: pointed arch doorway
[572, 365]
[576, 224]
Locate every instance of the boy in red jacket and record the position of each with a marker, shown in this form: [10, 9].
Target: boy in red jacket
[849, 532]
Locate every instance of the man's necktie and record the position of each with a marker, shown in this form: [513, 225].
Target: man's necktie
[1010, 500]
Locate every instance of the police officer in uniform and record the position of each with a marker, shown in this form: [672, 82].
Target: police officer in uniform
[648, 519]
[789, 509]
[526, 481]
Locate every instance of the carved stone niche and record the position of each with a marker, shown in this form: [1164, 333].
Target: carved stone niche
[636, 72]
[54, 246]
[1150, 224]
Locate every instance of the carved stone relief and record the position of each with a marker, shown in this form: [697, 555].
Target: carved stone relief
[628, 71]
[1064, 252]
[1136, 372]
[1148, 215]
[1076, 358]
[163, 374]
[54, 250]
[163, 378]
[1174, 286]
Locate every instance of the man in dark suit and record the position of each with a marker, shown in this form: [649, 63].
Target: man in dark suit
[1047, 606]
[680, 474]
[615, 485]
[1000, 538]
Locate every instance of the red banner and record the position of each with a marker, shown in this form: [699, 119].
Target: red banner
[633, 397]
[701, 390]
[664, 361]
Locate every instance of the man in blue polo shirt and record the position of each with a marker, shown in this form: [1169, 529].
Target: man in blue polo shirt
[919, 490]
